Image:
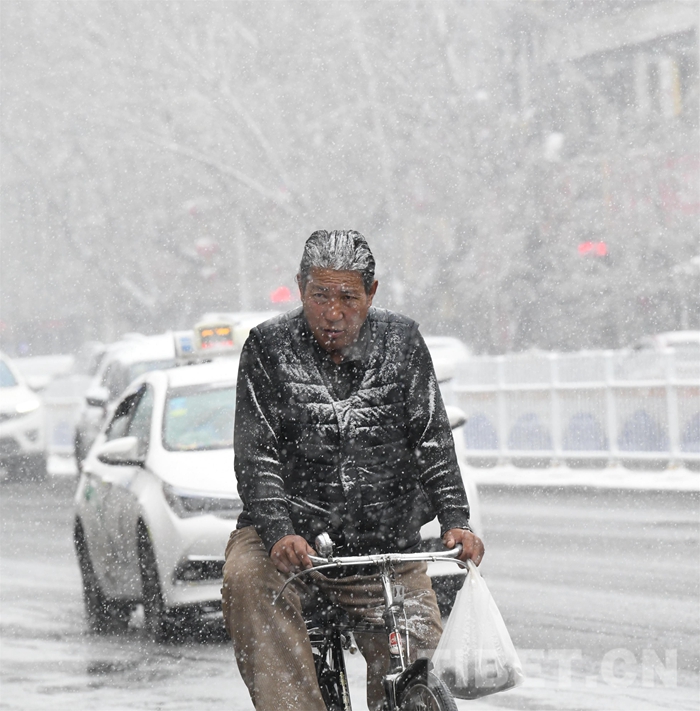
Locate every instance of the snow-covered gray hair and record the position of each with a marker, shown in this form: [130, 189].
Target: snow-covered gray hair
[341, 250]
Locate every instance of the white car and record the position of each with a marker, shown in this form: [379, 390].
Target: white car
[157, 500]
[22, 427]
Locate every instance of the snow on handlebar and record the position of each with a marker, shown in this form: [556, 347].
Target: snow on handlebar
[379, 559]
[386, 558]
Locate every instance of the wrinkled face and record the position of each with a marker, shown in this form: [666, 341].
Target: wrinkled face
[335, 305]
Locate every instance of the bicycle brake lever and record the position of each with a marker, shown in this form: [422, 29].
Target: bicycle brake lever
[292, 578]
[318, 560]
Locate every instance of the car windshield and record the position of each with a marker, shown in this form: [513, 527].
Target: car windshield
[199, 418]
[7, 380]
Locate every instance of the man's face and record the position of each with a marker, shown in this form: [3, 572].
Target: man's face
[335, 305]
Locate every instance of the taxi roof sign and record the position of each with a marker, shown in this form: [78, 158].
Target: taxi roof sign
[214, 335]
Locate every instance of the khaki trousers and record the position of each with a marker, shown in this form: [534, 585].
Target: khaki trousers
[271, 644]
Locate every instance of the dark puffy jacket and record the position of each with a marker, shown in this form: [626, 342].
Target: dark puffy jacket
[371, 468]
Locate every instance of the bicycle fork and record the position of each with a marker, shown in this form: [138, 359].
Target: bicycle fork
[399, 648]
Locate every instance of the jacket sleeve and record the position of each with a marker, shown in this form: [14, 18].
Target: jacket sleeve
[430, 436]
[256, 447]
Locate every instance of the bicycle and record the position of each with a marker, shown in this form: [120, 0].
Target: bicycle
[407, 687]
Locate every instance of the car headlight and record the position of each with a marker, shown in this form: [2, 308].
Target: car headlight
[186, 503]
[26, 406]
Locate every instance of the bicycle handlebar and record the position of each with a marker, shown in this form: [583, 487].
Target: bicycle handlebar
[377, 559]
[386, 558]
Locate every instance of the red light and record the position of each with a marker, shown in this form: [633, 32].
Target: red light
[596, 249]
[280, 295]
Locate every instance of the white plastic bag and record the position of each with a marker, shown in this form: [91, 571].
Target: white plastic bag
[475, 656]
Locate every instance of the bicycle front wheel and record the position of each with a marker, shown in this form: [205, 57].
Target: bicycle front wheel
[426, 695]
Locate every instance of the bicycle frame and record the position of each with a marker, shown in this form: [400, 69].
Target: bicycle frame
[330, 640]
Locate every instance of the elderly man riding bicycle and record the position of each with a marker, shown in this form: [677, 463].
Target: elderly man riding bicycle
[340, 428]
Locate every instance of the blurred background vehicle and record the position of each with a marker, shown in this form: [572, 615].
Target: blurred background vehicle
[648, 357]
[121, 363]
[22, 451]
[89, 357]
[684, 341]
[40, 371]
[448, 353]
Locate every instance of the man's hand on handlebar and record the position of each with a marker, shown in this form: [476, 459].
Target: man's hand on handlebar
[472, 545]
[291, 554]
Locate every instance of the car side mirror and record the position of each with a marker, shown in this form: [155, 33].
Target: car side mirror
[456, 416]
[124, 451]
[97, 397]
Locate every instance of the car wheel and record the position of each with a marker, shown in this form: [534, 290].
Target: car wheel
[161, 624]
[104, 616]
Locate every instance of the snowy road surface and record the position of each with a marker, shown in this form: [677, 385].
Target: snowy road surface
[600, 590]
